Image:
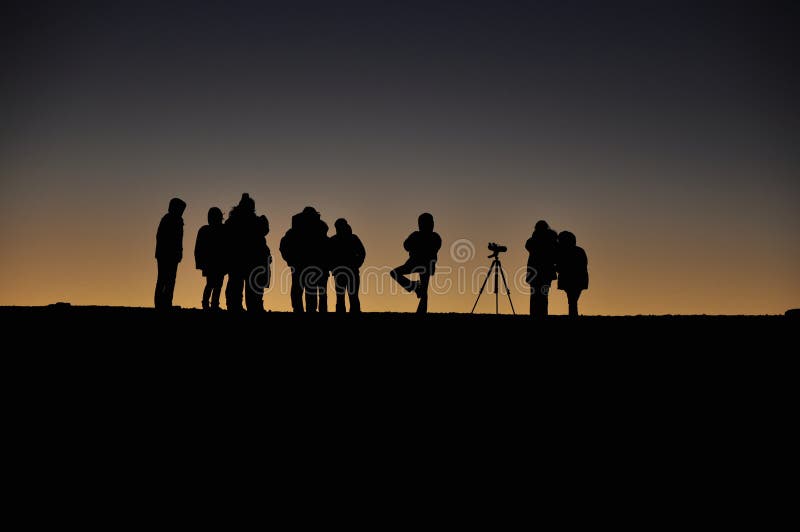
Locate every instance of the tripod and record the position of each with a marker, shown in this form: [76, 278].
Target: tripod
[498, 272]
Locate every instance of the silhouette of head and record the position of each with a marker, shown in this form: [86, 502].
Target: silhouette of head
[177, 206]
[565, 238]
[247, 203]
[342, 227]
[214, 216]
[425, 222]
[541, 226]
[311, 212]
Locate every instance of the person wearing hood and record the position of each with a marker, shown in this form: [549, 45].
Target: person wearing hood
[541, 266]
[573, 271]
[305, 250]
[209, 257]
[169, 252]
[347, 254]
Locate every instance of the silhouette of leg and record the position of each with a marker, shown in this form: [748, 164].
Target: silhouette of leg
[233, 292]
[207, 291]
[216, 287]
[352, 290]
[340, 285]
[311, 299]
[572, 301]
[399, 275]
[539, 300]
[296, 292]
[158, 297]
[165, 285]
[253, 297]
[322, 295]
[424, 281]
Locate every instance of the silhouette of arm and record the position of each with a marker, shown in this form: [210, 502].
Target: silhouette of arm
[436, 243]
[410, 242]
[286, 248]
[360, 252]
[200, 249]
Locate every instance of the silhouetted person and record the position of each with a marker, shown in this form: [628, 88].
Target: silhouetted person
[305, 250]
[169, 252]
[209, 256]
[423, 247]
[245, 232]
[573, 273]
[290, 251]
[542, 246]
[347, 254]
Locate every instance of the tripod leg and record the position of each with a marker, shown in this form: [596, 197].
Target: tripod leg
[481, 290]
[496, 265]
[508, 292]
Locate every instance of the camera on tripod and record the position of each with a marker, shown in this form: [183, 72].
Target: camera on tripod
[497, 248]
[497, 269]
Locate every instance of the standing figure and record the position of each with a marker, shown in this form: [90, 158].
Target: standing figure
[541, 266]
[573, 272]
[209, 256]
[347, 254]
[290, 251]
[245, 232]
[423, 248]
[169, 252]
[305, 250]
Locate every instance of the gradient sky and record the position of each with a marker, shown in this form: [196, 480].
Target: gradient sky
[663, 134]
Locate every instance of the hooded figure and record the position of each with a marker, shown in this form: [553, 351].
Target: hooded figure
[573, 272]
[347, 254]
[541, 266]
[209, 256]
[169, 252]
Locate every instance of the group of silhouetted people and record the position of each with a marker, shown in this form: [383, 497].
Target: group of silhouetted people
[237, 247]
[555, 256]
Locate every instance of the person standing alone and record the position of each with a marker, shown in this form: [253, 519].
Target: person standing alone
[169, 252]
[346, 257]
[423, 249]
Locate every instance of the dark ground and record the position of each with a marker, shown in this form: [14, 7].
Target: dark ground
[681, 406]
[188, 332]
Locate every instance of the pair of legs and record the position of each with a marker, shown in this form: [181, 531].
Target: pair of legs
[165, 284]
[420, 287]
[312, 282]
[347, 282]
[212, 290]
[315, 294]
[539, 293]
[253, 296]
[572, 301]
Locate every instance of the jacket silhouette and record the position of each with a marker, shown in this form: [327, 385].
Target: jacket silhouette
[304, 247]
[169, 252]
[423, 248]
[542, 247]
[209, 256]
[248, 256]
[347, 254]
[573, 273]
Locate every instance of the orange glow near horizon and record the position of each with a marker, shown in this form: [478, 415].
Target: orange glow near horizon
[103, 254]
